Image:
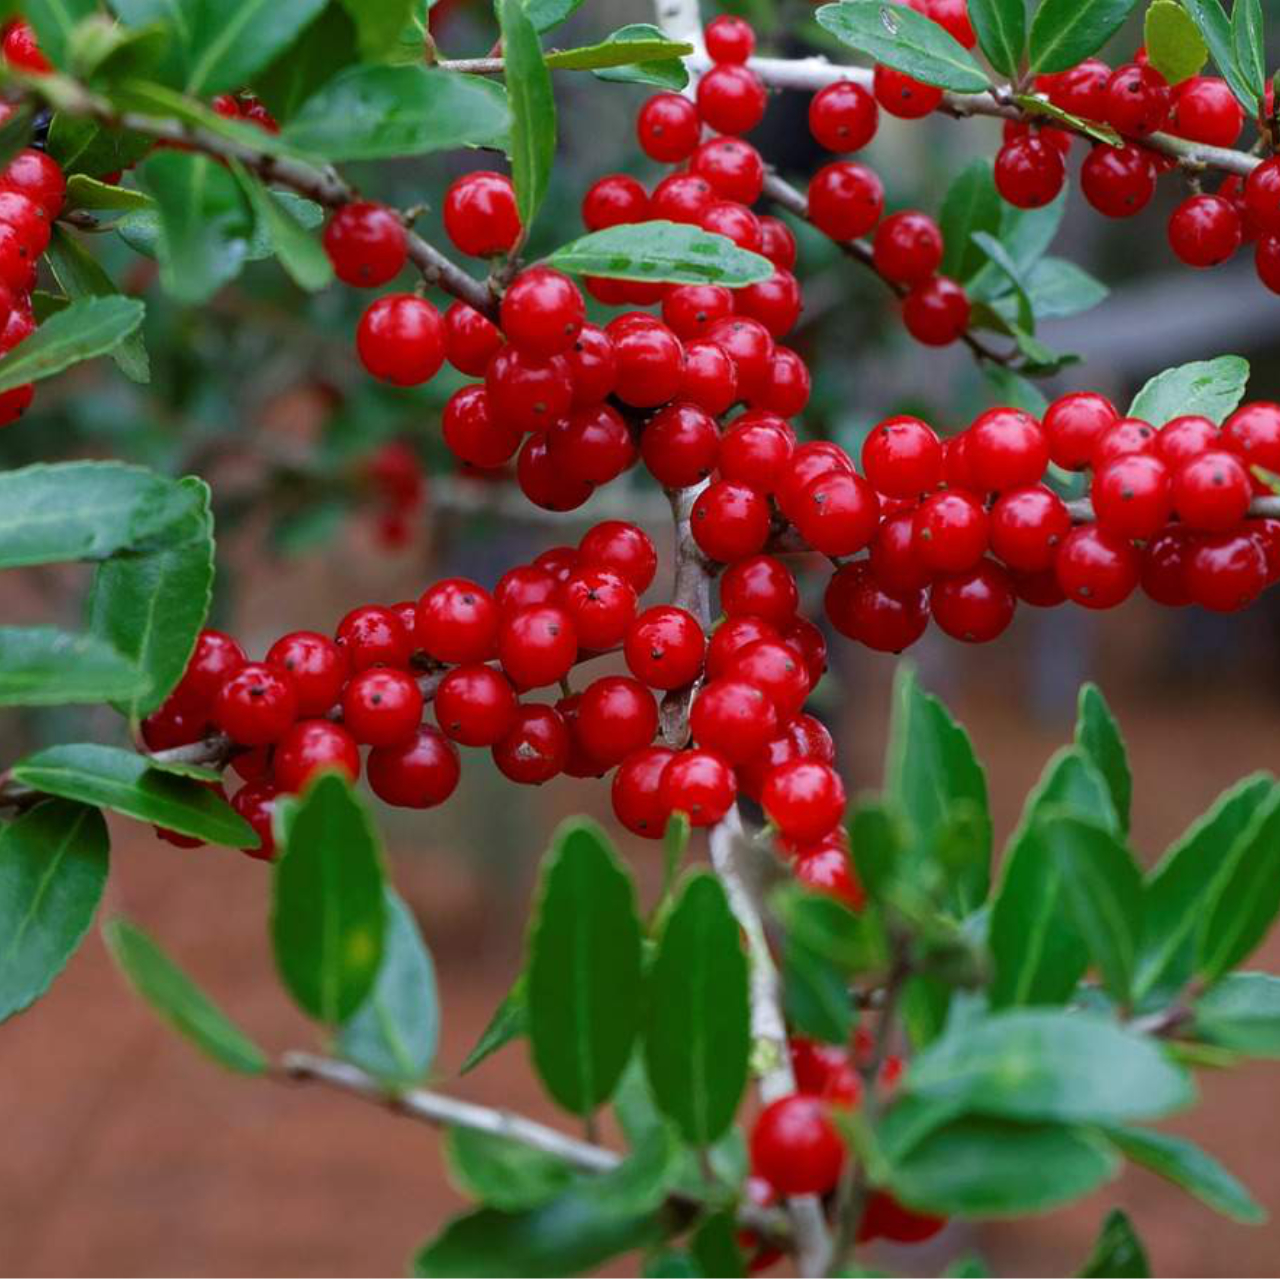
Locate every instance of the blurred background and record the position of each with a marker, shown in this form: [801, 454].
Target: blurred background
[125, 1153]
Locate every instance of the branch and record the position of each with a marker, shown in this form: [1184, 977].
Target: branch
[1081, 509]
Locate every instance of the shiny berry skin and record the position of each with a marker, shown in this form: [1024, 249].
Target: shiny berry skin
[732, 636]
[470, 339]
[796, 1148]
[475, 705]
[1205, 110]
[1118, 181]
[902, 457]
[1007, 449]
[776, 669]
[311, 747]
[1132, 495]
[907, 247]
[729, 39]
[1205, 231]
[824, 868]
[812, 459]
[214, 660]
[1124, 436]
[256, 804]
[544, 483]
[318, 667]
[681, 197]
[838, 514]
[1097, 569]
[536, 748]
[936, 311]
[614, 200]
[592, 445]
[1212, 492]
[808, 640]
[22, 49]
[1138, 100]
[754, 450]
[458, 621]
[420, 772]
[680, 445]
[1266, 262]
[616, 716]
[731, 99]
[902, 96]
[667, 128]
[843, 116]
[523, 586]
[804, 799]
[751, 346]
[372, 636]
[537, 646]
[593, 367]
[710, 378]
[38, 177]
[664, 647]
[730, 521]
[1164, 566]
[382, 706]
[953, 17]
[733, 718]
[760, 587]
[1059, 139]
[950, 532]
[175, 725]
[1262, 196]
[893, 559]
[1253, 433]
[650, 364]
[601, 604]
[860, 608]
[480, 215]
[636, 791]
[256, 705]
[775, 302]
[1082, 89]
[473, 434]
[732, 167]
[1029, 171]
[527, 392]
[887, 1218]
[622, 547]
[366, 244]
[1184, 438]
[689, 310]
[699, 784]
[560, 562]
[734, 221]
[1226, 571]
[976, 605]
[846, 199]
[787, 388]
[401, 339]
[778, 242]
[542, 312]
[1027, 526]
[1074, 424]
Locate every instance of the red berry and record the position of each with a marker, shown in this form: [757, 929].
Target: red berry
[950, 532]
[751, 346]
[1212, 491]
[730, 521]
[256, 705]
[458, 622]
[733, 718]
[536, 748]
[22, 49]
[591, 446]
[537, 646]
[699, 784]
[689, 310]
[614, 200]
[480, 215]
[902, 457]
[953, 17]
[667, 128]
[1253, 433]
[311, 747]
[38, 177]
[681, 197]
[824, 867]
[776, 669]
[1262, 196]
[680, 445]
[601, 603]
[622, 547]
[1205, 231]
[214, 660]
[755, 449]
[1118, 181]
[1097, 569]
[1266, 262]
[1131, 495]
[1138, 99]
[382, 706]
[1164, 566]
[1007, 449]
[732, 167]
[894, 563]
[976, 605]
[256, 804]
[838, 514]
[907, 247]
[1184, 438]
[775, 302]
[318, 667]
[902, 96]
[1226, 571]
[637, 791]
[1027, 526]
[860, 608]
[778, 242]
[843, 116]
[650, 363]
[420, 772]
[730, 637]
[803, 799]
[936, 311]
[1074, 423]
[886, 1217]
[710, 378]
[1082, 90]
[846, 200]
[526, 392]
[542, 312]
[1124, 436]
[810, 460]
[616, 716]
[731, 99]
[366, 244]
[544, 483]
[475, 705]
[525, 585]
[664, 647]
[733, 220]
[796, 1148]
[760, 587]
[729, 39]
[472, 432]
[401, 339]
[1029, 171]
[1205, 110]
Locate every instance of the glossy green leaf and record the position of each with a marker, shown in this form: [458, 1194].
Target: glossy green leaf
[1098, 735]
[151, 605]
[816, 994]
[1065, 32]
[698, 1038]
[510, 1021]
[53, 867]
[852, 941]
[664, 73]
[299, 252]
[330, 44]
[583, 970]
[1046, 1064]
[1173, 42]
[85, 149]
[1178, 888]
[533, 109]
[1242, 1012]
[1212, 388]
[46, 667]
[715, 1246]
[89, 327]
[1245, 898]
[182, 1004]
[931, 773]
[379, 24]
[1249, 46]
[1001, 28]
[901, 38]
[393, 1034]
[971, 204]
[204, 222]
[1214, 25]
[54, 21]
[231, 40]
[675, 843]
[662, 251]
[1187, 1166]
[546, 14]
[122, 780]
[502, 1173]
[379, 112]
[328, 912]
[1100, 131]
[617, 53]
[1117, 1251]
[1059, 288]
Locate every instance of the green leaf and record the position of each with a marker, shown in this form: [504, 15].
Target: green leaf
[1064, 32]
[816, 994]
[533, 110]
[971, 204]
[875, 839]
[1117, 1250]
[698, 1038]
[333, 41]
[583, 970]
[54, 21]
[379, 112]
[908, 41]
[1038, 106]
[662, 251]
[1242, 1012]
[151, 605]
[81, 275]
[172, 994]
[545, 14]
[509, 1022]
[1214, 25]
[852, 941]
[102, 51]
[1037, 948]
[1001, 28]
[986, 1168]
[122, 780]
[328, 912]
[1047, 1064]
[1013, 389]
[204, 223]
[379, 24]
[666, 73]
[85, 149]
[675, 843]
[393, 1034]
[46, 667]
[88, 327]
[502, 1173]
[617, 53]
[1179, 887]
[1098, 736]
[1247, 42]
[300, 254]
[931, 773]
[1212, 388]
[715, 1246]
[83, 511]
[231, 40]
[1174, 45]
[1059, 288]
[1245, 897]
[1187, 1166]
[53, 867]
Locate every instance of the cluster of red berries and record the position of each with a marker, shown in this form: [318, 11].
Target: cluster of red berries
[248, 107]
[21, 49]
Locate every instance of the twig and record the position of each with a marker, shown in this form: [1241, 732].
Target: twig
[1081, 509]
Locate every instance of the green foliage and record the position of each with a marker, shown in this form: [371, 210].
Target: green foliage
[510, 1021]
[300, 254]
[533, 109]
[1212, 388]
[1214, 25]
[664, 73]
[617, 53]
[502, 1173]
[1173, 42]
[1001, 28]
[1098, 736]
[1117, 1250]
[662, 251]
[1064, 32]
[1242, 1012]
[88, 327]
[44, 666]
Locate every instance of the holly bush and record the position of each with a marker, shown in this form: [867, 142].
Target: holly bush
[838, 1020]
